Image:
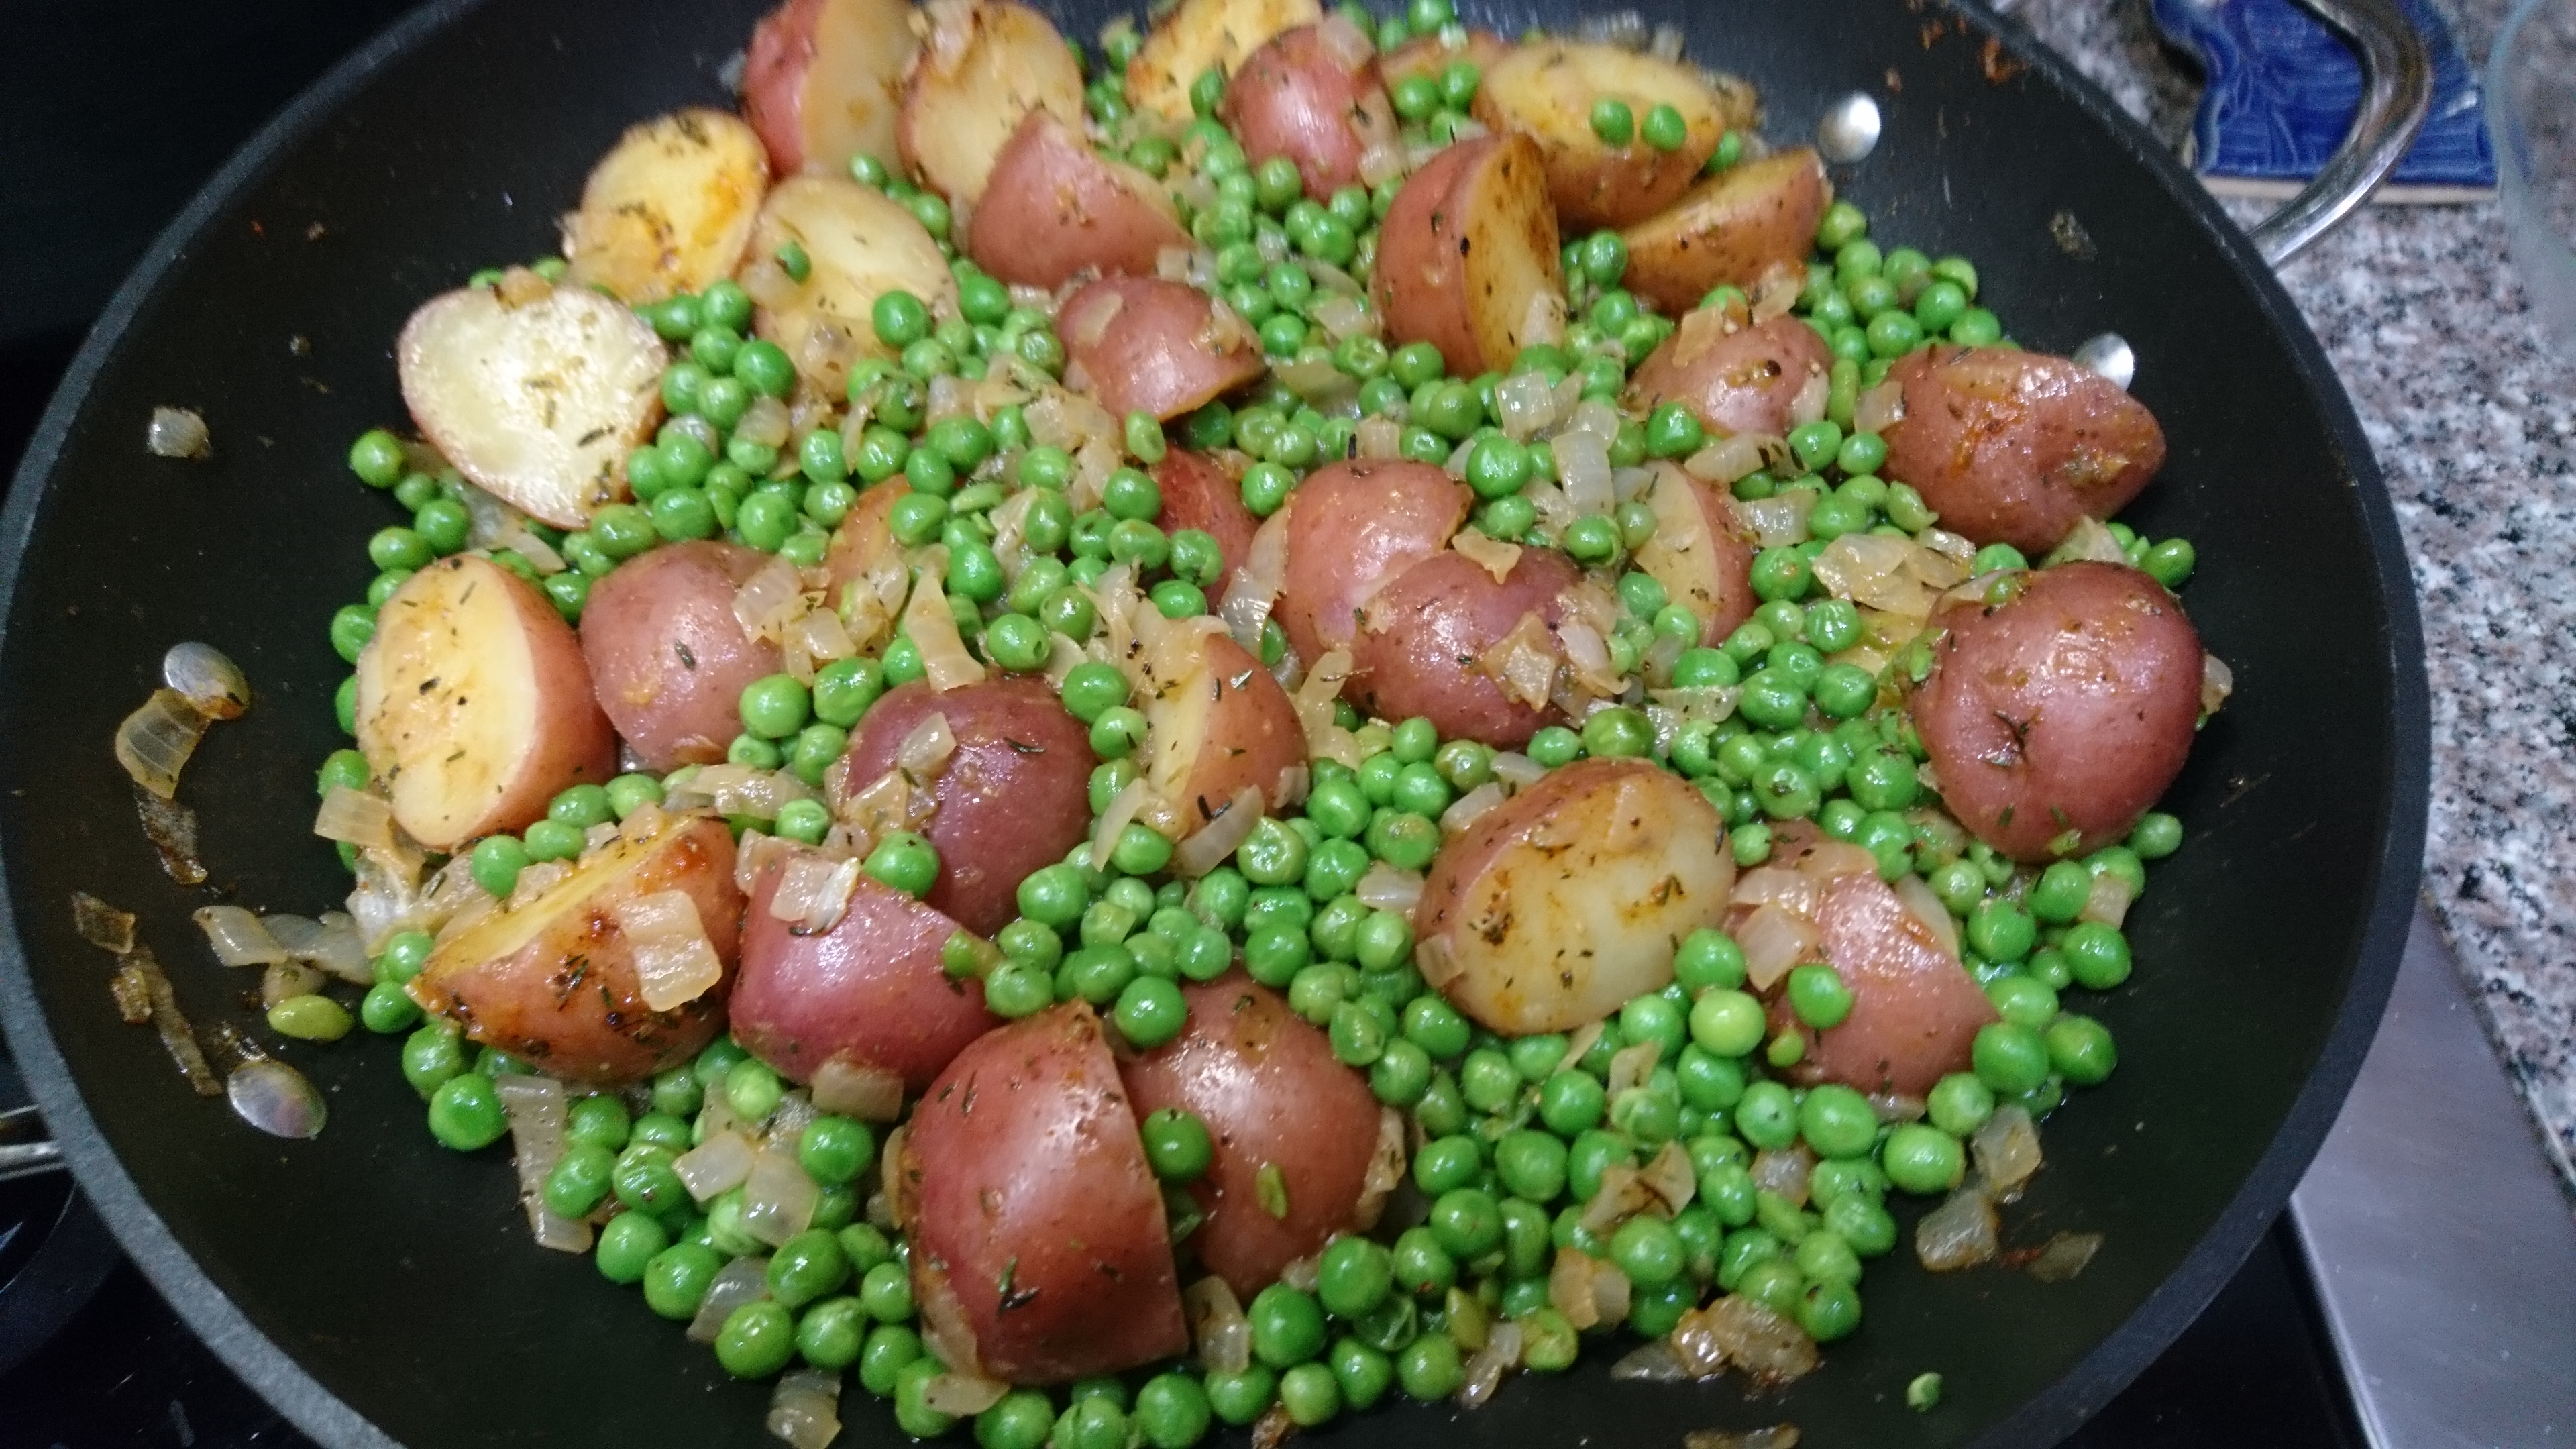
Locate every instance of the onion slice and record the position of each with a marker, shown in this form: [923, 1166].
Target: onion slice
[237, 936]
[154, 742]
[871, 1094]
[1218, 1329]
[805, 1408]
[717, 1165]
[778, 1197]
[537, 1115]
[674, 961]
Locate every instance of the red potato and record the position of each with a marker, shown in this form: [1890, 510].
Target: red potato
[667, 659]
[552, 980]
[1353, 527]
[1557, 906]
[1199, 492]
[1423, 637]
[474, 705]
[1915, 1009]
[1311, 95]
[1039, 1253]
[1145, 345]
[2054, 721]
[1468, 254]
[1430, 55]
[983, 67]
[1056, 209]
[1701, 552]
[1547, 89]
[1729, 230]
[1015, 796]
[1737, 378]
[2015, 447]
[1275, 1097]
[859, 244]
[669, 208]
[824, 78]
[1221, 727]
[1203, 35]
[863, 539]
[869, 992]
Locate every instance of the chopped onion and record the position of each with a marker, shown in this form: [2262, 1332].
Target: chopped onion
[1830, 859]
[1431, 957]
[1610, 1292]
[1583, 470]
[1657, 1361]
[1619, 1197]
[961, 1394]
[852, 1089]
[283, 979]
[1213, 843]
[763, 602]
[1344, 317]
[177, 433]
[332, 944]
[1667, 44]
[1525, 661]
[1388, 889]
[2006, 1151]
[237, 936]
[211, 682]
[1631, 1065]
[2217, 681]
[1494, 556]
[1516, 770]
[172, 829]
[1585, 1038]
[1122, 809]
[1784, 1171]
[1467, 809]
[1379, 438]
[1598, 418]
[1809, 403]
[361, 819]
[101, 924]
[1585, 650]
[926, 749]
[805, 1408]
[744, 1280]
[536, 1111]
[1088, 322]
[1879, 408]
[1959, 1233]
[1773, 941]
[141, 983]
[933, 630]
[1218, 1329]
[765, 422]
[2108, 901]
[1670, 1176]
[674, 962]
[154, 742]
[1345, 43]
[1766, 1345]
[2064, 1256]
[1776, 290]
[1569, 1288]
[1779, 521]
[1300, 1273]
[788, 1120]
[813, 892]
[717, 1165]
[778, 1197]
[1383, 161]
[1790, 889]
[1314, 702]
[1385, 1169]
[1916, 896]
[1728, 459]
[1500, 1355]
[1543, 321]
[1896, 1107]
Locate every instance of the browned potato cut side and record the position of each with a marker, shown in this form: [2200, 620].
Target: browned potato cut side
[1729, 230]
[983, 66]
[1546, 91]
[1469, 245]
[824, 79]
[1701, 552]
[1201, 35]
[859, 245]
[1056, 209]
[669, 208]
[1221, 727]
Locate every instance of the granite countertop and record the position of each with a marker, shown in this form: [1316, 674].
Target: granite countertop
[2472, 411]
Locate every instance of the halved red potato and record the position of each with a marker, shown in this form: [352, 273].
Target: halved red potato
[536, 392]
[1729, 230]
[1223, 726]
[1145, 345]
[1468, 253]
[1557, 906]
[1310, 94]
[983, 66]
[1701, 552]
[868, 992]
[1546, 90]
[1737, 378]
[1432, 55]
[2015, 447]
[824, 79]
[1915, 1009]
[669, 208]
[1353, 527]
[1202, 35]
[1055, 209]
[1275, 1100]
[863, 539]
[1201, 493]
[1422, 641]
[859, 244]
[474, 705]
[1015, 796]
[552, 979]
[2054, 720]
[668, 661]
[1039, 1252]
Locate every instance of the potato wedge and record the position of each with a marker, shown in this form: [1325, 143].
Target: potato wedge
[983, 66]
[1432, 55]
[552, 981]
[667, 659]
[1545, 90]
[535, 392]
[1423, 639]
[859, 245]
[1737, 378]
[1056, 209]
[1701, 552]
[1310, 94]
[1201, 35]
[474, 705]
[1558, 905]
[824, 80]
[669, 208]
[1915, 1010]
[2016, 447]
[1729, 230]
[1468, 246]
[1144, 345]
[1206, 493]
[1224, 725]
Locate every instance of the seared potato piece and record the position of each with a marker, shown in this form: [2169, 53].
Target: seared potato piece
[1701, 552]
[1224, 725]
[1468, 246]
[1558, 905]
[1729, 230]
[824, 78]
[859, 245]
[983, 66]
[1311, 95]
[1423, 639]
[474, 706]
[1430, 55]
[1915, 1010]
[1202, 493]
[1203, 35]
[1739, 379]
[667, 659]
[1056, 208]
[669, 208]
[1145, 345]
[1546, 91]
[535, 392]
[1353, 528]
[2015, 447]
[552, 981]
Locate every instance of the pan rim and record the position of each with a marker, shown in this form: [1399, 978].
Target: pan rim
[277, 1374]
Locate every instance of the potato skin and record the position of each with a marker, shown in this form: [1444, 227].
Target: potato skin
[1353, 527]
[1295, 97]
[1200, 493]
[1145, 345]
[1224, 726]
[1470, 240]
[1014, 797]
[823, 80]
[1557, 906]
[1421, 637]
[552, 982]
[2067, 710]
[1037, 1228]
[1055, 209]
[1546, 89]
[983, 66]
[1201, 35]
[1271, 1093]
[667, 659]
[870, 991]
[1701, 552]
[1739, 379]
[1915, 1009]
[1729, 230]
[2014, 447]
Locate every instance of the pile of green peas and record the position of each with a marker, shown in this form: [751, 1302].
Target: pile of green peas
[1519, 1134]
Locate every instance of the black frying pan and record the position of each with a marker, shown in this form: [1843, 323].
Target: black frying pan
[380, 1289]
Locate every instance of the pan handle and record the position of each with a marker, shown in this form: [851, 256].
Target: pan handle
[2396, 92]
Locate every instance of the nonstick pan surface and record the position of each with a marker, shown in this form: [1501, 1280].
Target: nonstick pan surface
[380, 1289]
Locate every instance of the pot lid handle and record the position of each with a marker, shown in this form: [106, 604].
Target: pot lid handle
[2396, 92]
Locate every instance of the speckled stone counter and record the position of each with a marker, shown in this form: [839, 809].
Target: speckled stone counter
[2472, 411]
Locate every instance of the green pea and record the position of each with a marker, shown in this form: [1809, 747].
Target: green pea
[465, 1113]
[2081, 1050]
[905, 861]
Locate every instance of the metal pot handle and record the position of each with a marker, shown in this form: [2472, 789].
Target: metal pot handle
[26, 1158]
[2396, 92]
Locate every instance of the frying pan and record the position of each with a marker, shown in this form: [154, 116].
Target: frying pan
[382, 1290]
